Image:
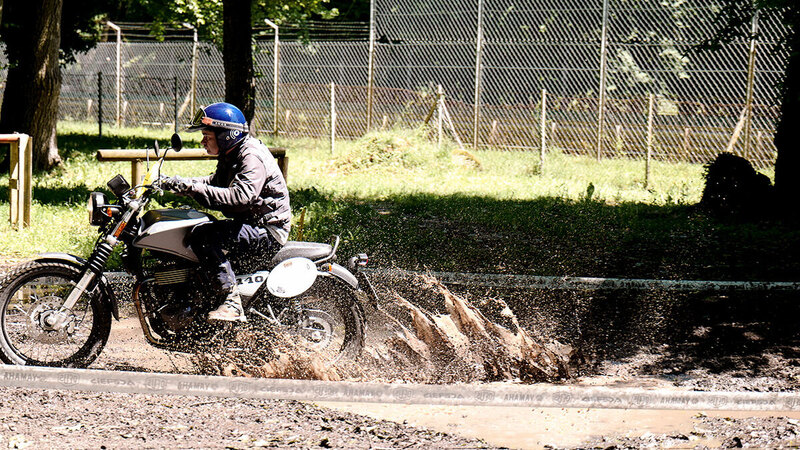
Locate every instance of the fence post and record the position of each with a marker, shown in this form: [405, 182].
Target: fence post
[100, 104]
[370, 64]
[275, 72]
[175, 101]
[193, 105]
[602, 94]
[119, 66]
[478, 73]
[751, 73]
[439, 115]
[650, 113]
[543, 129]
[333, 117]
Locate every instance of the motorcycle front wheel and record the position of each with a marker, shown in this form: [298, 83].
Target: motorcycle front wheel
[30, 300]
[326, 320]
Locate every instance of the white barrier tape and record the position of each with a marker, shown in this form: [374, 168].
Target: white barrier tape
[590, 283]
[459, 395]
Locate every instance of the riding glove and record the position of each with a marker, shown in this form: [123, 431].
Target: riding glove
[176, 184]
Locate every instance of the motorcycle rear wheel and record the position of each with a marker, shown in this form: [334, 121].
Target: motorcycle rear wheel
[32, 292]
[330, 323]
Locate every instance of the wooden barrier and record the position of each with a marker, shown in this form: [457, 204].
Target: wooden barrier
[138, 157]
[20, 179]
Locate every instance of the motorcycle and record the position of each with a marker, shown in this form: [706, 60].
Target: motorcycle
[56, 310]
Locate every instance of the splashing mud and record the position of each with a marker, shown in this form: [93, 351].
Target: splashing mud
[419, 332]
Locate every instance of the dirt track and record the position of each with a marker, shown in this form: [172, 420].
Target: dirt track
[755, 358]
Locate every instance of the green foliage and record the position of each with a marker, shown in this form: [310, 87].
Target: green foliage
[207, 15]
[735, 16]
[80, 25]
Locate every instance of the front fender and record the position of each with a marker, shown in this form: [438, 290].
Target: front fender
[79, 262]
[341, 273]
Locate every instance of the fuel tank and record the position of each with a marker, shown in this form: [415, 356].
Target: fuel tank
[166, 230]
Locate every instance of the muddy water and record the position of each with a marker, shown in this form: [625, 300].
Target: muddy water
[535, 428]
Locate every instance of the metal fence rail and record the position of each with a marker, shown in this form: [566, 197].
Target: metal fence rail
[609, 79]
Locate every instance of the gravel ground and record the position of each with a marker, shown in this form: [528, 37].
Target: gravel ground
[714, 432]
[48, 419]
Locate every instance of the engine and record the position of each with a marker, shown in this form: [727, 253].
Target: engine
[171, 298]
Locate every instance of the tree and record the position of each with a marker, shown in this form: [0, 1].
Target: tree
[237, 56]
[32, 32]
[734, 20]
[39, 36]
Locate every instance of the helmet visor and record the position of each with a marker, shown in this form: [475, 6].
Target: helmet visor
[201, 122]
[197, 121]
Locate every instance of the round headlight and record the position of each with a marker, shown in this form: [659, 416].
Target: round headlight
[96, 202]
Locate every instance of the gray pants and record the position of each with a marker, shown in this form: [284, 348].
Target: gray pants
[212, 240]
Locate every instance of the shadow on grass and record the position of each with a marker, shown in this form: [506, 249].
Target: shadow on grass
[733, 334]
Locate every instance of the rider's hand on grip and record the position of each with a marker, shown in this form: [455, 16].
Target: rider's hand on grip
[176, 184]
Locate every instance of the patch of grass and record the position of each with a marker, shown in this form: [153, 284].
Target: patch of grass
[575, 216]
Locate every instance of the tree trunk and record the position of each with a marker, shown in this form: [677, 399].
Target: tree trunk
[32, 33]
[237, 55]
[787, 135]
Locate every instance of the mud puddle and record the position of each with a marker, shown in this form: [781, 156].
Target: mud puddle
[425, 333]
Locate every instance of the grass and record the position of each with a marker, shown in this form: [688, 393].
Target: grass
[397, 197]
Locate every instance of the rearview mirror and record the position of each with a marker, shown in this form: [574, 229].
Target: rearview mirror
[177, 143]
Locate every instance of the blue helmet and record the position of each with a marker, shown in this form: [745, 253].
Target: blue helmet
[225, 120]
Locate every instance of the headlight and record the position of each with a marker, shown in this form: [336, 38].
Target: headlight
[97, 208]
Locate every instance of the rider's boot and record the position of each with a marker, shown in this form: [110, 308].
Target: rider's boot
[230, 310]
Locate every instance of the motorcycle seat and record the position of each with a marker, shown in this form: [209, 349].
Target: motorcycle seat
[310, 250]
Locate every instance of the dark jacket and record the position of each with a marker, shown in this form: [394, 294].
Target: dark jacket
[248, 186]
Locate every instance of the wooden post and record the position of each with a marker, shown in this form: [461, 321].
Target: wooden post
[650, 113]
[123, 114]
[493, 132]
[88, 110]
[686, 133]
[385, 122]
[20, 178]
[618, 139]
[758, 144]
[543, 128]
[137, 172]
[333, 117]
[439, 115]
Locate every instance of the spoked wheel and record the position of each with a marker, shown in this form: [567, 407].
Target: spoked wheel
[36, 332]
[326, 320]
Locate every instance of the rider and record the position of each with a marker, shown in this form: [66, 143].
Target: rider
[248, 188]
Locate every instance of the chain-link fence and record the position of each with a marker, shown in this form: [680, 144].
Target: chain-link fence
[516, 76]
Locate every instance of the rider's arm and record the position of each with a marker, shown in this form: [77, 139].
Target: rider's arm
[243, 190]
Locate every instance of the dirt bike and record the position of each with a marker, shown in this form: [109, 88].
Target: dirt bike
[56, 310]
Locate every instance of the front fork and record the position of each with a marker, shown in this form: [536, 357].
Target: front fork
[94, 269]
